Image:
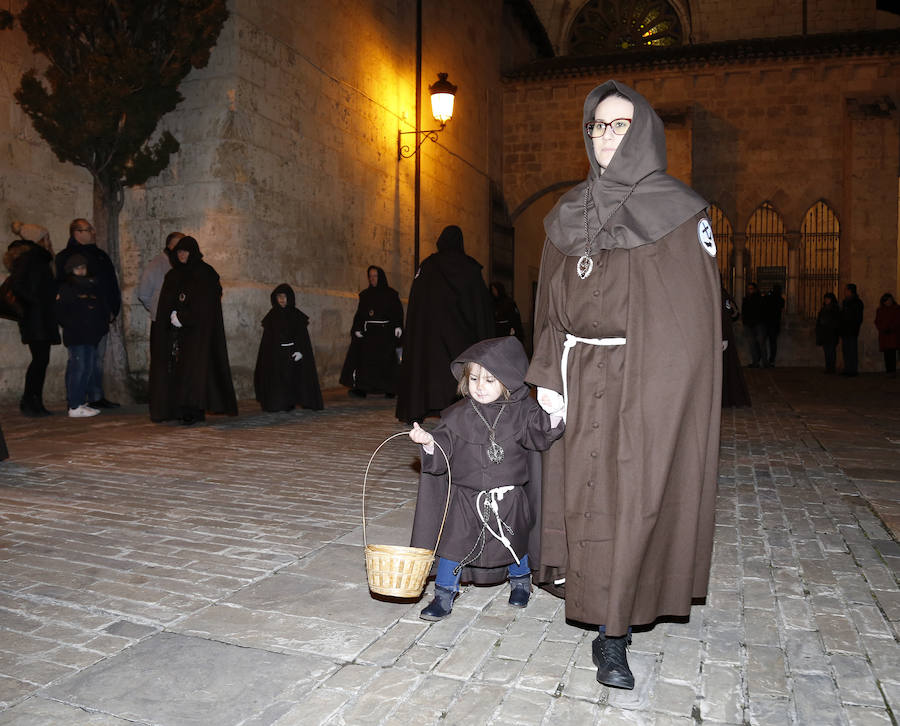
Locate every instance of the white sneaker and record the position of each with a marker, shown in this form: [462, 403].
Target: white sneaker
[83, 412]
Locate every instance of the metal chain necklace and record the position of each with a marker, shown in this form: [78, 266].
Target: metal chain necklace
[585, 264]
[494, 450]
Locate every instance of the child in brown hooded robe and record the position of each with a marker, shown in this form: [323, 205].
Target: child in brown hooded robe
[491, 437]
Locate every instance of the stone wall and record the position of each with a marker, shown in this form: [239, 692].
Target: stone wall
[787, 132]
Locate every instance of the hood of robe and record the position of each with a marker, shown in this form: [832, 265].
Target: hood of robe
[191, 245]
[451, 240]
[287, 290]
[504, 357]
[634, 202]
[382, 278]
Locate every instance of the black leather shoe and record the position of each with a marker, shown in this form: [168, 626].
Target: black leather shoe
[103, 403]
[520, 591]
[441, 606]
[612, 663]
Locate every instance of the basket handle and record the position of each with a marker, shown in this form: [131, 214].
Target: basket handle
[366, 477]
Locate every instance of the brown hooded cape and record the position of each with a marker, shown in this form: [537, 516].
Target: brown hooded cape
[629, 492]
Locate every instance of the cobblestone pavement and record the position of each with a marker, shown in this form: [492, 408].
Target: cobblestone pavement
[154, 574]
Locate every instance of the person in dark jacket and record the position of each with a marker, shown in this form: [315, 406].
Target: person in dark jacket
[494, 510]
[734, 387]
[828, 323]
[371, 364]
[754, 325]
[773, 307]
[285, 374]
[887, 320]
[449, 309]
[507, 320]
[82, 313]
[199, 375]
[851, 321]
[82, 241]
[28, 261]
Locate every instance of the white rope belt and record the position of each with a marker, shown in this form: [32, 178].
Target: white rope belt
[287, 345]
[496, 495]
[375, 322]
[571, 341]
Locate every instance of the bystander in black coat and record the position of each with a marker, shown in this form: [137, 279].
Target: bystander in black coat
[371, 364]
[449, 309]
[285, 374]
[31, 280]
[199, 374]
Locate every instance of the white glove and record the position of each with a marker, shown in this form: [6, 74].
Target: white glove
[357, 334]
[724, 345]
[398, 332]
[174, 319]
[550, 400]
[296, 355]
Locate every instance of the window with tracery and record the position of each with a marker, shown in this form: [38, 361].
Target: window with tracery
[767, 249]
[820, 238]
[603, 26]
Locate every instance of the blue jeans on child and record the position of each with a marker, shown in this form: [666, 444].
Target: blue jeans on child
[446, 579]
[82, 359]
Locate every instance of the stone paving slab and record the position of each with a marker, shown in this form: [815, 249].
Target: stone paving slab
[214, 575]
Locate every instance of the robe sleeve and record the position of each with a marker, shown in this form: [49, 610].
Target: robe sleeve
[538, 433]
[434, 463]
[544, 370]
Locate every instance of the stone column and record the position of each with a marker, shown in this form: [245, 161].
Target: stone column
[740, 284]
[792, 293]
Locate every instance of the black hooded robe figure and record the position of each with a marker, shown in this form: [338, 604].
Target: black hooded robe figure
[198, 375]
[371, 364]
[507, 320]
[4, 452]
[285, 374]
[449, 309]
[734, 388]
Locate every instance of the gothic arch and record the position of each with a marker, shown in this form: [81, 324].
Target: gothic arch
[767, 248]
[820, 240]
[603, 26]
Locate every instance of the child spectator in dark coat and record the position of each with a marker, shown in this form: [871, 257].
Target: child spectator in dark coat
[84, 319]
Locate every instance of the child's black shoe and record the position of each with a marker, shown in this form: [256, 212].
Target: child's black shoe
[520, 591]
[441, 606]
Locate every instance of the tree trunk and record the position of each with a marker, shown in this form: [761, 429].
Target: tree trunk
[117, 381]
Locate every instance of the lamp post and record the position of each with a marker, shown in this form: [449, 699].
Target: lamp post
[443, 94]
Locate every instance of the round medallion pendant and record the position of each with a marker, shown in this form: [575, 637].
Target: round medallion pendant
[584, 267]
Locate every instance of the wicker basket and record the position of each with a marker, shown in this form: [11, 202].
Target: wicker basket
[393, 570]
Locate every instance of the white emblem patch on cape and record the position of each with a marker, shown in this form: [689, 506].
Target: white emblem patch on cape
[705, 235]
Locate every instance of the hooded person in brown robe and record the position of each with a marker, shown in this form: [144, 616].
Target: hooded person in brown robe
[492, 444]
[628, 345]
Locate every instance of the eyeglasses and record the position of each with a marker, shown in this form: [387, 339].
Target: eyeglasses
[596, 129]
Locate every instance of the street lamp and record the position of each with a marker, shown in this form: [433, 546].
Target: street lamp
[442, 96]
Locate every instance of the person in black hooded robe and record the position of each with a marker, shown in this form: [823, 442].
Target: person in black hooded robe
[734, 387]
[4, 452]
[285, 374]
[449, 309]
[507, 320]
[371, 363]
[199, 374]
